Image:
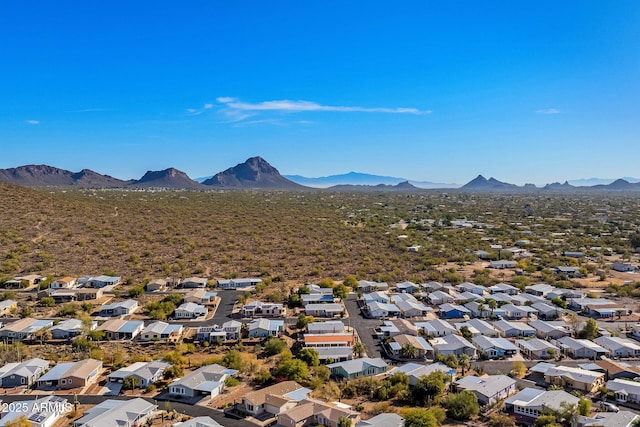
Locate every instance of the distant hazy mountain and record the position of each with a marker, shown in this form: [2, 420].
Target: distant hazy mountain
[556, 186]
[589, 182]
[168, 178]
[358, 178]
[256, 172]
[401, 186]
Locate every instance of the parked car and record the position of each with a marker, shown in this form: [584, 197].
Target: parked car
[608, 407]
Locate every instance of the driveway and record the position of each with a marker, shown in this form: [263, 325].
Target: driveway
[363, 326]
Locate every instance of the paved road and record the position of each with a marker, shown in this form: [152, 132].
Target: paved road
[363, 326]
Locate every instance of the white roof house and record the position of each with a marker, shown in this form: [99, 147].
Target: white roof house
[416, 370]
[536, 348]
[488, 389]
[530, 401]
[453, 344]
[513, 329]
[436, 328]
[115, 413]
[621, 347]
[479, 327]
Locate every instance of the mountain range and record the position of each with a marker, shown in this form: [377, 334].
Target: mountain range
[256, 172]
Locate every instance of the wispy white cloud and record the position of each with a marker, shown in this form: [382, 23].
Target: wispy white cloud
[32, 122]
[89, 110]
[548, 111]
[302, 106]
[193, 112]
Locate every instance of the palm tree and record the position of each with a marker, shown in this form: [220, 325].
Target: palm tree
[408, 351]
[492, 305]
[481, 308]
[464, 361]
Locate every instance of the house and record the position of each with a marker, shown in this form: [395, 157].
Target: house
[536, 348]
[616, 369]
[262, 328]
[606, 311]
[502, 264]
[553, 330]
[488, 388]
[367, 286]
[540, 289]
[205, 381]
[439, 297]
[472, 287]
[464, 297]
[314, 412]
[494, 348]
[509, 329]
[70, 328]
[546, 311]
[198, 422]
[324, 310]
[505, 288]
[64, 283]
[190, 310]
[145, 373]
[87, 294]
[31, 279]
[157, 285]
[61, 296]
[421, 347]
[624, 390]
[610, 419]
[363, 367]
[580, 348]
[478, 309]
[111, 413]
[378, 310]
[238, 283]
[119, 329]
[330, 327]
[71, 375]
[317, 298]
[436, 328]
[568, 271]
[432, 286]
[580, 304]
[571, 377]
[479, 327]
[383, 420]
[232, 329]
[43, 412]
[161, 331]
[200, 296]
[282, 395]
[8, 306]
[103, 281]
[195, 282]
[338, 339]
[416, 370]
[121, 308]
[409, 306]
[453, 344]
[23, 329]
[262, 309]
[407, 287]
[619, 347]
[376, 296]
[530, 402]
[515, 312]
[622, 267]
[22, 374]
[453, 311]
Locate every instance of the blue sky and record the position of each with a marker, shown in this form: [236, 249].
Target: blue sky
[533, 91]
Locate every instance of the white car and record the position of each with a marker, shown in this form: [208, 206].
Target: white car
[608, 407]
